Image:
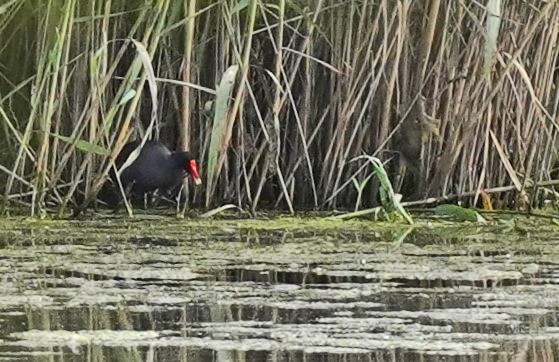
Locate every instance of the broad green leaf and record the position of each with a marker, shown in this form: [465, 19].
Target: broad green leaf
[458, 213]
[220, 120]
[240, 6]
[150, 73]
[355, 183]
[127, 96]
[389, 199]
[83, 145]
[54, 53]
[145, 57]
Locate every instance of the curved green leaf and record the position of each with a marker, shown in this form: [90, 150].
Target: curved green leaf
[240, 6]
[84, 145]
[219, 123]
[127, 96]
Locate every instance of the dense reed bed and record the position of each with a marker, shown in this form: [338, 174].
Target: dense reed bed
[456, 97]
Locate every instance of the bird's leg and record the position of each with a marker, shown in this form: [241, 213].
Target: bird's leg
[155, 199]
[146, 195]
[178, 201]
[158, 195]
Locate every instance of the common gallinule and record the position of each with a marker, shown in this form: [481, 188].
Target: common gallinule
[156, 168]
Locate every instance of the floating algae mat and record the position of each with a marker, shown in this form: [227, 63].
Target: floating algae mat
[160, 289]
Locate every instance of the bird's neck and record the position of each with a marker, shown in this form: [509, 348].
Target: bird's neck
[179, 159]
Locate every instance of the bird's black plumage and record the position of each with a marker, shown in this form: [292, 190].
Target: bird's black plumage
[155, 168]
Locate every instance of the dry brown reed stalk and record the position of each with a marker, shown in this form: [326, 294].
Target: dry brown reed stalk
[184, 136]
[320, 83]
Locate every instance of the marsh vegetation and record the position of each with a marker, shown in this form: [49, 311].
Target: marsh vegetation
[454, 97]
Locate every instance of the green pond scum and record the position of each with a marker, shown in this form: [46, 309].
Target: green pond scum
[307, 288]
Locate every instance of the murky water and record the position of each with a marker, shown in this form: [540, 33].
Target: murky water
[166, 291]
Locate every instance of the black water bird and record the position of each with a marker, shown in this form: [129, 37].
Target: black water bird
[155, 168]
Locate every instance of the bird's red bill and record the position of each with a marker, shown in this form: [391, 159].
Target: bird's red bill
[194, 172]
